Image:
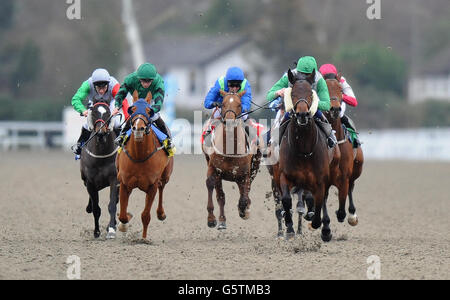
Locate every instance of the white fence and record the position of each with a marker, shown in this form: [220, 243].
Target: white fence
[393, 144]
[22, 134]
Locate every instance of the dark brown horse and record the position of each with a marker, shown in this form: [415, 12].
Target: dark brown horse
[305, 160]
[97, 165]
[351, 162]
[230, 157]
[142, 164]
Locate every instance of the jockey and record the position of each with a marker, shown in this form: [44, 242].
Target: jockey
[347, 96]
[307, 66]
[99, 87]
[234, 82]
[145, 80]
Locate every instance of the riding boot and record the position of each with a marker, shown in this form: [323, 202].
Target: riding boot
[121, 138]
[329, 132]
[350, 124]
[84, 136]
[167, 143]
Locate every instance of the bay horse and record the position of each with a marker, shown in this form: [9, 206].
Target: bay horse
[231, 157]
[142, 164]
[351, 162]
[97, 165]
[305, 159]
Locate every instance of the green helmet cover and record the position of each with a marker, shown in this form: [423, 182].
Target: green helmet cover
[146, 71]
[306, 64]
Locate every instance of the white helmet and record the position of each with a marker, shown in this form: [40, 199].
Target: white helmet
[100, 75]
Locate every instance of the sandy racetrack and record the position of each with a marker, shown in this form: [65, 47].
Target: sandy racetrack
[403, 210]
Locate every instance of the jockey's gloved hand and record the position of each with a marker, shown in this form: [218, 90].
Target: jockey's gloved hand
[275, 104]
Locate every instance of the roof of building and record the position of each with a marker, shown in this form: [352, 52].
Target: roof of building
[168, 51]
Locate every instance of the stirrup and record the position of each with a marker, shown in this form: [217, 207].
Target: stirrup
[120, 140]
[169, 147]
[77, 150]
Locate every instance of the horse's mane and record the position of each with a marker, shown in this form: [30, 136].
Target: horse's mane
[330, 76]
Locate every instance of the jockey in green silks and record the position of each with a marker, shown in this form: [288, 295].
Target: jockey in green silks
[307, 66]
[144, 80]
[99, 87]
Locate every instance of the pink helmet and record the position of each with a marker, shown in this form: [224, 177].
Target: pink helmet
[328, 68]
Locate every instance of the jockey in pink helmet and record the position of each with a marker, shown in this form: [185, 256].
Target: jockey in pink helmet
[348, 97]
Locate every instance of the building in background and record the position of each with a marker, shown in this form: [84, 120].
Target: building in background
[196, 62]
[433, 80]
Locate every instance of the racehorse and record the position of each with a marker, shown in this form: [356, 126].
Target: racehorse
[142, 164]
[97, 167]
[305, 160]
[230, 157]
[351, 162]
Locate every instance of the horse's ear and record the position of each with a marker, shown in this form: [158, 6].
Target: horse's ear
[135, 96]
[291, 76]
[222, 93]
[131, 109]
[149, 96]
[242, 93]
[338, 76]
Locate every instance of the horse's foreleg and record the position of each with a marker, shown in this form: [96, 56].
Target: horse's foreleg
[287, 205]
[160, 209]
[326, 231]
[352, 218]
[244, 200]
[279, 212]
[210, 184]
[145, 216]
[220, 195]
[112, 208]
[343, 192]
[93, 194]
[124, 217]
[309, 200]
[318, 196]
[300, 210]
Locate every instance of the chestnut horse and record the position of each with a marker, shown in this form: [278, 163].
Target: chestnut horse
[351, 162]
[231, 158]
[142, 164]
[305, 159]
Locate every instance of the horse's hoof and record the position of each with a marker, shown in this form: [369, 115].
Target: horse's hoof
[245, 215]
[280, 235]
[212, 224]
[96, 234]
[222, 226]
[326, 237]
[290, 236]
[89, 209]
[309, 216]
[162, 217]
[310, 227]
[340, 217]
[352, 220]
[301, 210]
[122, 227]
[111, 233]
